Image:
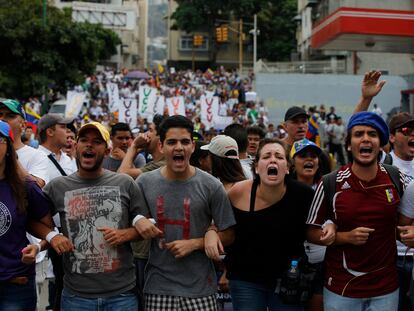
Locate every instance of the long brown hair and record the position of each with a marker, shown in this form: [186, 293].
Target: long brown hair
[15, 178]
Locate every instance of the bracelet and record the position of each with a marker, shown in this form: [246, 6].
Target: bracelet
[139, 217]
[51, 235]
[39, 247]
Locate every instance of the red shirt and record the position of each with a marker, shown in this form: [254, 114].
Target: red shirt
[367, 270]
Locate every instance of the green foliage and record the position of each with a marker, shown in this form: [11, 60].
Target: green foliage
[33, 55]
[275, 21]
[277, 30]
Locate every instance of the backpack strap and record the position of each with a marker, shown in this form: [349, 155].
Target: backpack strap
[394, 174]
[388, 159]
[329, 187]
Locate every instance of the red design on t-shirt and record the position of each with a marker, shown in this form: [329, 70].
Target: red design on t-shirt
[162, 220]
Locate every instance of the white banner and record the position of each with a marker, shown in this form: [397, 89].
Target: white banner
[147, 98]
[113, 95]
[159, 105]
[176, 106]
[128, 112]
[209, 110]
[74, 103]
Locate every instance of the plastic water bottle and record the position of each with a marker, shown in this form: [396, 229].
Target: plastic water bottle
[292, 283]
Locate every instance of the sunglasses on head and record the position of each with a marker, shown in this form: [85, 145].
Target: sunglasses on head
[406, 131]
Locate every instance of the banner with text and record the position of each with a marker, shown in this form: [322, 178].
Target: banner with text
[147, 99]
[128, 112]
[113, 96]
[176, 106]
[209, 110]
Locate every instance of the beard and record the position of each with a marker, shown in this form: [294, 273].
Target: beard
[366, 164]
[96, 167]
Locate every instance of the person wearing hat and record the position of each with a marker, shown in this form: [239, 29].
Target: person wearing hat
[33, 161]
[296, 125]
[361, 263]
[96, 208]
[224, 160]
[53, 135]
[22, 205]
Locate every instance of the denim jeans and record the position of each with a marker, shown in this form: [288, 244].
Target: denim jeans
[125, 301]
[335, 302]
[14, 297]
[247, 296]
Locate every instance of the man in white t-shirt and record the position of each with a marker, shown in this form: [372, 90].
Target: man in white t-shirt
[401, 128]
[33, 161]
[53, 137]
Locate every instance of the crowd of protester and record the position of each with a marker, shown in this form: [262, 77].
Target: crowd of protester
[298, 216]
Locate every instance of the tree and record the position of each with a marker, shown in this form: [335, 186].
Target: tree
[277, 30]
[275, 20]
[60, 53]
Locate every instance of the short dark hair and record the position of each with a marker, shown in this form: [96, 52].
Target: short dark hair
[256, 130]
[175, 122]
[43, 135]
[157, 120]
[120, 127]
[239, 134]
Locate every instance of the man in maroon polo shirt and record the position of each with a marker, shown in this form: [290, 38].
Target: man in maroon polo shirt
[361, 271]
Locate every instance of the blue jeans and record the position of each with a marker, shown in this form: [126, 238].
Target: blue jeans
[335, 302]
[14, 297]
[125, 301]
[247, 296]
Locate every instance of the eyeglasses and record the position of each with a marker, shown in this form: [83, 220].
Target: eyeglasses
[406, 131]
[3, 140]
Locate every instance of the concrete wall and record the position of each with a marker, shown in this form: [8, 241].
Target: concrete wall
[395, 64]
[281, 91]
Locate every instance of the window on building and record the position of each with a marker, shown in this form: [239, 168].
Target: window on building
[186, 44]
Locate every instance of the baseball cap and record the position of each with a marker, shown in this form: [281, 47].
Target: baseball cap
[51, 119]
[5, 130]
[400, 120]
[14, 106]
[223, 146]
[294, 112]
[303, 144]
[373, 120]
[98, 126]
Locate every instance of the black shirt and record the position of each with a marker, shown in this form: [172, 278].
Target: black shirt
[269, 239]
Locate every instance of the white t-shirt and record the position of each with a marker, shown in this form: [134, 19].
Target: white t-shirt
[247, 167]
[407, 167]
[65, 163]
[34, 161]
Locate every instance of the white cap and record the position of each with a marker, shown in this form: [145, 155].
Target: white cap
[223, 146]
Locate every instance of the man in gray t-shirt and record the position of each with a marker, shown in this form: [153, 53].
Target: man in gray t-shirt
[183, 201]
[96, 208]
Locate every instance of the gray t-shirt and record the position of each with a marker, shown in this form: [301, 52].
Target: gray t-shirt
[94, 269]
[183, 210]
[112, 164]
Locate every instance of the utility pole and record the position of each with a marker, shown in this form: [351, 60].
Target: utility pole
[240, 46]
[45, 103]
[254, 43]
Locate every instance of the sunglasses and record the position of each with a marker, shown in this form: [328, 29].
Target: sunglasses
[406, 131]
